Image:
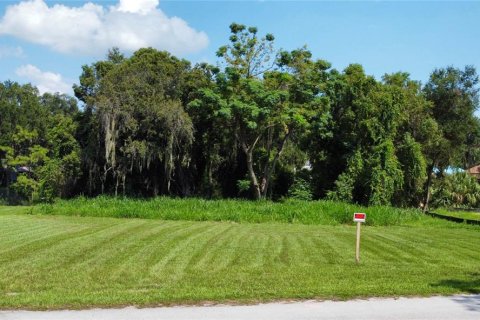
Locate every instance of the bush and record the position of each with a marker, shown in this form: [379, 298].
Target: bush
[458, 189]
[26, 187]
[301, 189]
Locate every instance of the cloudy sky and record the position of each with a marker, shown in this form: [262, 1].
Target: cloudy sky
[46, 42]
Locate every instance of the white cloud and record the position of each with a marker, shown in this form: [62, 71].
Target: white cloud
[11, 52]
[45, 81]
[138, 6]
[93, 29]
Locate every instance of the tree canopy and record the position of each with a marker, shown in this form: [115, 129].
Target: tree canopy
[262, 123]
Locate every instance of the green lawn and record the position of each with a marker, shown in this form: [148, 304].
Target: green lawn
[469, 215]
[75, 262]
[14, 209]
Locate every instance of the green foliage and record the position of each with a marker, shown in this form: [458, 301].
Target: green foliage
[20, 107]
[454, 94]
[26, 187]
[301, 189]
[386, 176]
[153, 124]
[57, 177]
[414, 168]
[269, 99]
[345, 184]
[458, 189]
[243, 185]
[454, 97]
[34, 146]
[143, 121]
[51, 180]
[59, 104]
[61, 136]
[382, 135]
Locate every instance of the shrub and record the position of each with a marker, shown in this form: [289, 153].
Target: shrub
[458, 189]
[301, 189]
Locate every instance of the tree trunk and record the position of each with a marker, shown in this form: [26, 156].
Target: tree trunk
[155, 182]
[253, 178]
[270, 167]
[427, 188]
[248, 150]
[124, 178]
[117, 182]
[209, 176]
[103, 178]
[168, 164]
[7, 182]
[90, 182]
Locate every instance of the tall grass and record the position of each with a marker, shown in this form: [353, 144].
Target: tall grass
[193, 209]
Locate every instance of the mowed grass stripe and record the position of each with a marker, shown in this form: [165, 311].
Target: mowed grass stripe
[34, 245]
[106, 264]
[30, 227]
[450, 241]
[107, 243]
[407, 251]
[145, 248]
[330, 254]
[176, 254]
[160, 244]
[181, 265]
[55, 259]
[110, 262]
[429, 247]
[212, 244]
[329, 246]
[222, 254]
[382, 250]
[37, 248]
[20, 238]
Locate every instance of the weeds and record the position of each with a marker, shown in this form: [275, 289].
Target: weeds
[193, 209]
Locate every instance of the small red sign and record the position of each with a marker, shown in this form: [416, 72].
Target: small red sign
[359, 217]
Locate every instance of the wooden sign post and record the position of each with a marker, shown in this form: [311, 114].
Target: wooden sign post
[359, 218]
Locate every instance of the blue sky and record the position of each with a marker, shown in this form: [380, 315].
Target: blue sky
[45, 42]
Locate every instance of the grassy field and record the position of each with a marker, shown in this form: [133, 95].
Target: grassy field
[303, 212]
[14, 209]
[469, 215]
[50, 261]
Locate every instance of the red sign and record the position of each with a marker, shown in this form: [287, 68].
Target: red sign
[359, 217]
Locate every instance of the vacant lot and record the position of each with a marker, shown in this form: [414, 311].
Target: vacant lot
[66, 261]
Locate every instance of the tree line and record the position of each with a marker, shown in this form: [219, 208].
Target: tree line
[261, 124]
